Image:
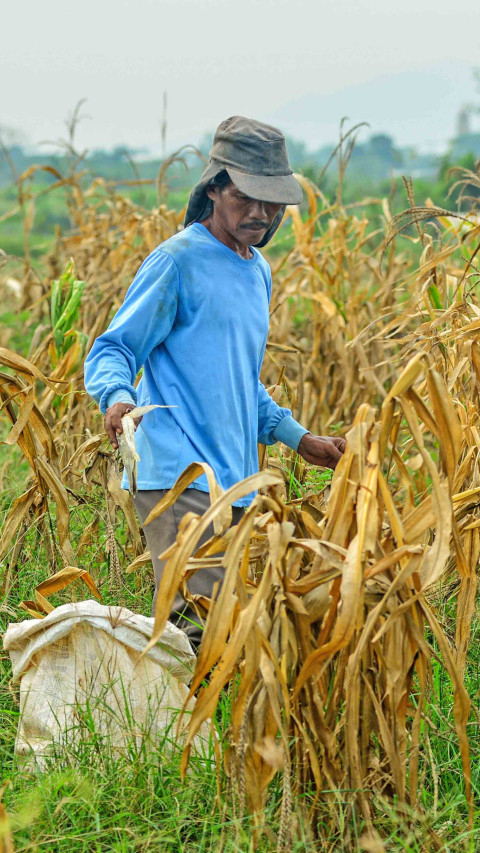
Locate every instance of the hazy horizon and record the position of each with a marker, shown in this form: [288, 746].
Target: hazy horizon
[302, 66]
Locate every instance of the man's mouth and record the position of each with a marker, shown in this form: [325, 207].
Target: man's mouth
[256, 226]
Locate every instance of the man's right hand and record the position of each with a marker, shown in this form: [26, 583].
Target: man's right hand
[113, 421]
[322, 450]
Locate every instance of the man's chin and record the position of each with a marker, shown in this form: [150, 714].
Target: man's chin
[256, 237]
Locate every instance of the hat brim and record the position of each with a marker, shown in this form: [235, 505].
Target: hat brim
[278, 189]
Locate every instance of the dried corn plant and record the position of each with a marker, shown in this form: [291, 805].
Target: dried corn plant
[325, 626]
[358, 300]
[59, 478]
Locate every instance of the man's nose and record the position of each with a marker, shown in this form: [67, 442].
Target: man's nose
[259, 210]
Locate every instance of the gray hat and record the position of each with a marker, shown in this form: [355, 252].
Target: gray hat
[255, 157]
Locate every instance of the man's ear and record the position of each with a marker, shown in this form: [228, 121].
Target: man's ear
[212, 191]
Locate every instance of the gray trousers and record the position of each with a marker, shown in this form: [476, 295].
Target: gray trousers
[162, 532]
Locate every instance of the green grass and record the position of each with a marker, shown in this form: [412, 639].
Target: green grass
[92, 799]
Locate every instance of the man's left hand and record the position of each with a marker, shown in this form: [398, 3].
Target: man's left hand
[321, 449]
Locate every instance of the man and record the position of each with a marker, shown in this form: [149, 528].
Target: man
[196, 319]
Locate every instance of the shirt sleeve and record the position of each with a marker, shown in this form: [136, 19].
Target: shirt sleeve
[143, 321]
[290, 432]
[120, 396]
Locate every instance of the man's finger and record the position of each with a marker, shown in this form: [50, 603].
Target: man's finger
[112, 436]
[113, 427]
[116, 424]
[340, 443]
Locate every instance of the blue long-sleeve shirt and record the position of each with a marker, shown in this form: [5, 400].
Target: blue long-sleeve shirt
[196, 319]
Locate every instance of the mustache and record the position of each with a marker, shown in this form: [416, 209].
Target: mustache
[257, 223]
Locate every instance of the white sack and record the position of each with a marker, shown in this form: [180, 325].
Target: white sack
[84, 661]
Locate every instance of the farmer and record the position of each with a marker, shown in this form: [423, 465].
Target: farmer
[196, 319]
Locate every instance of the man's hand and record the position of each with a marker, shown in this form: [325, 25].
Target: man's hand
[321, 449]
[113, 421]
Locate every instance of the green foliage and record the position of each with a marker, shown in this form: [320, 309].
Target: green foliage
[65, 303]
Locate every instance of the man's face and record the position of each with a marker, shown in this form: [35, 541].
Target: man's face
[246, 220]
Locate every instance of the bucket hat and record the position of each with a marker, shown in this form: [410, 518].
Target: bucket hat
[255, 157]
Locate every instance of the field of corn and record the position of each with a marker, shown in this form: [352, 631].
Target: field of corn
[339, 669]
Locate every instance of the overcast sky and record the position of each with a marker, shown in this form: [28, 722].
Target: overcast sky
[217, 58]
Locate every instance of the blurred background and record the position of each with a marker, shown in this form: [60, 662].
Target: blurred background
[123, 85]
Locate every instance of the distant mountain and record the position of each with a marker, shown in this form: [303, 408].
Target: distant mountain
[416, 108]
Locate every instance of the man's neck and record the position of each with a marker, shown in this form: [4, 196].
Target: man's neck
[219, 232]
